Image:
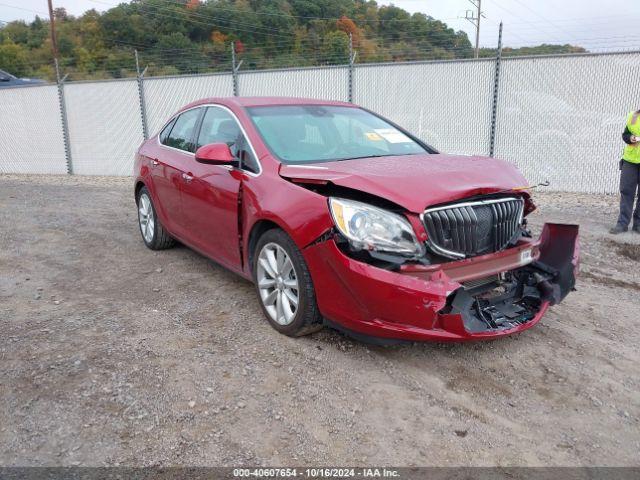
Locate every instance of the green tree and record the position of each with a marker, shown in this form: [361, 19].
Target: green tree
[181, 36]
[14, 59]
[335, 48]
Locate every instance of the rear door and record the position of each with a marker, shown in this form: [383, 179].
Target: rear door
[175, 154]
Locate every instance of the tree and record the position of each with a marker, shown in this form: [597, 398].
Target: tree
[177, 50]
[346, 25]
[14, 59]
[181, 36]
[335, 48]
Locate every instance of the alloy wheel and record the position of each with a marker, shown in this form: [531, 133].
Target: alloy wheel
[145, 217]
[277, 283]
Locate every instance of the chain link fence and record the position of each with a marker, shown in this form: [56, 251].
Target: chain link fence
[559, 118]
[166, 95]
[328, 83]
[31, 136]
[447, 104]
[104, 126]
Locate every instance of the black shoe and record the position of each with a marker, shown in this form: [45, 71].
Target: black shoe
[617, 230]
[636, 229]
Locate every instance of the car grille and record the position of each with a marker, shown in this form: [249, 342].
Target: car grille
[473, 228]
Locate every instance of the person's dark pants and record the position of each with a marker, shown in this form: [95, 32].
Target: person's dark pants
[629, 182]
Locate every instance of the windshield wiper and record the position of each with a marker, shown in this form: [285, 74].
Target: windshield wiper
[364, 156]
[377, 156]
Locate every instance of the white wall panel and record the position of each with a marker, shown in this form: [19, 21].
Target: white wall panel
[31, 138]
[105, 126]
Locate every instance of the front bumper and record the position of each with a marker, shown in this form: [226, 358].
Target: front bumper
[430, 302]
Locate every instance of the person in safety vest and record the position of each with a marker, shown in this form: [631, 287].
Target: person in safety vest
[629, 176]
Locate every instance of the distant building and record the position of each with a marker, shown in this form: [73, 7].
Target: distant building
[8, 80]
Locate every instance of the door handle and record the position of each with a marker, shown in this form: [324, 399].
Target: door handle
[154, 162]
[186, 177]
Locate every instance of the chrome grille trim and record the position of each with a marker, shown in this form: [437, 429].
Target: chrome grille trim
[461, 222]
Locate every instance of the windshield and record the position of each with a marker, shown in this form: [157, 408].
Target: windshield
[315, 133]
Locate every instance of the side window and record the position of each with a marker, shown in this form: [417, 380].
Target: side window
[219, 126]
[183, 130]
[165, 131]
[244, 153]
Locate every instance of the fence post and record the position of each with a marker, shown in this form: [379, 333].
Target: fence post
[234, 70]
[143, 106]
[63, 117]
[496, 87]
[352, 58]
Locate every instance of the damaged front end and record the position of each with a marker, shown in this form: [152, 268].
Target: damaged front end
[464, 268]
[515, 298]
[480, 297]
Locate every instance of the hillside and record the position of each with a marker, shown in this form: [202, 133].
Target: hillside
[178, 37]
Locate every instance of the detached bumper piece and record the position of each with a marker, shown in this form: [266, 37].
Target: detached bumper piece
[473, 299]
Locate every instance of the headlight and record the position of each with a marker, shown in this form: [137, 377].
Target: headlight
[371, 228]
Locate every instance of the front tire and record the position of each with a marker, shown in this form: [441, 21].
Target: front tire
[284, 285]
[153, 233]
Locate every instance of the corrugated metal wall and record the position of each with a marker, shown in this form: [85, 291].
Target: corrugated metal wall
[559, 118]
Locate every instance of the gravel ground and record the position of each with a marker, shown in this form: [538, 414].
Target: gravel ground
[111, 354]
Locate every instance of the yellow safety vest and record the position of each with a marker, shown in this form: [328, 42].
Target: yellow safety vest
[632, 152]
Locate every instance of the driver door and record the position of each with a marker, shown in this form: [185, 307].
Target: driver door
[210, 194]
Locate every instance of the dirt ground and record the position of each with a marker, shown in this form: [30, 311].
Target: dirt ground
[111, 354]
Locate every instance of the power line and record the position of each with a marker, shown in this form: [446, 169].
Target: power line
[23, 9]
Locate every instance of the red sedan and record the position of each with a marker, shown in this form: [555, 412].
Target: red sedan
[341, 217]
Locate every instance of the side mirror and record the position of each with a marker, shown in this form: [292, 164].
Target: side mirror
[216, 154]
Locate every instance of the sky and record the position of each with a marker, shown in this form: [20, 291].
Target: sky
[526, 22]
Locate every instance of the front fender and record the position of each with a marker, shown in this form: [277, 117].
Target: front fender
[303, 214]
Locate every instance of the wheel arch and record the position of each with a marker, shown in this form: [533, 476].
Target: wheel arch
[138, 187]
[257, 230]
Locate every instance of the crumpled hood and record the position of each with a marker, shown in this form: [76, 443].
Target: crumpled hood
[414, 181]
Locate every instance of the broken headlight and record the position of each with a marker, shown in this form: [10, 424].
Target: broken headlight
[371, 228]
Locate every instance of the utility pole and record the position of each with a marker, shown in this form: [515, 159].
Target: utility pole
[54, 43]
[474, 18]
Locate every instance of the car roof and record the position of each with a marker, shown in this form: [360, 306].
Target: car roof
[8, 80]
[265, 101]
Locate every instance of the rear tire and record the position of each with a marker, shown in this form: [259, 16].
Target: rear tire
[153, 233]
[284, 286]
